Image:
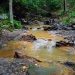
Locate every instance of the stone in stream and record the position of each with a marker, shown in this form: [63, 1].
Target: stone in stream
[25, 22]
[18, 55]
[29, 38]
[24, 27]
[70, 64]
[39, 28]
[63, 43]
[72, 26]
[46, 22]
[49, 28]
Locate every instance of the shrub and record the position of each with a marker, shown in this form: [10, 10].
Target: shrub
[17, 24]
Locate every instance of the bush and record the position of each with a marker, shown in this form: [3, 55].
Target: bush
[17, 24]
[40, 6]
[5, 24]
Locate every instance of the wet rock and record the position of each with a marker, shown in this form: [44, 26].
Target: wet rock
[46, 22]
[73, 26]
[29, 38]
[49, 28]
[30, 28]
[46, 28]
[24, 27]
[39, 28]
[11, 35]
[50, 21]
[71, 51]
[15, 67]
[34, 22]
[18, 55]
[63, 43]
[70, 64]
[25, 22]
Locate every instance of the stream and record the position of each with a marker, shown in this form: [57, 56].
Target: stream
[44, 48]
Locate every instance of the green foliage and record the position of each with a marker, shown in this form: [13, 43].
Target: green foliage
[66, 20]
[40, 6]
[5, 24]
[17, 24]
[71, 3]
[72, 14]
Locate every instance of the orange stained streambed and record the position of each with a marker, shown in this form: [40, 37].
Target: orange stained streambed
[26, 48]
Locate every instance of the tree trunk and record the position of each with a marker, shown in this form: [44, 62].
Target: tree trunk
[65, 6]
[11, 10]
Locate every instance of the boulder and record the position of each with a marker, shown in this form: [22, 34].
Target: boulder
[70, 64]
[24, 27]
[49, 28]
[39, 28]
[29, 38]
[72, 26]
[18, 55]
[46, 28]
[25, 22]
[64, 43]
[46, 22]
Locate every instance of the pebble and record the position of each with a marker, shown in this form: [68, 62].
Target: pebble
[14, 67]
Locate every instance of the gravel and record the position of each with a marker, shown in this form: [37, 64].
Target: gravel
[13, 66]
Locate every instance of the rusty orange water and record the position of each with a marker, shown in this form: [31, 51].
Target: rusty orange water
[26, 48]
[58, 54]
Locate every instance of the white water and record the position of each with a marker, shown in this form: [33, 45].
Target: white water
[44, 44]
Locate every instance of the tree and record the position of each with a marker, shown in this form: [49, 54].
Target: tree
[11, 10]
[65, 7]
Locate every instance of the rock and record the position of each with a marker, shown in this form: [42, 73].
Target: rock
[39, 28]
[18, 55]
[70, 64]
[50, 21]
[36, 22]
[49, 28]
[63, 43]
[46, 28]
[25, 22]
[71, 51]
[73, 26]
[29, 38]
[46, 22]
[30, 28]
[15, 67]
[49, 39]
[24, 27]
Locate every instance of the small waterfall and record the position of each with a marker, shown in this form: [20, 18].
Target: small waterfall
[44, 44]
[51, 45]
[34, 29]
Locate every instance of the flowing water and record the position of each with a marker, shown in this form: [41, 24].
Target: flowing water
[43, 48]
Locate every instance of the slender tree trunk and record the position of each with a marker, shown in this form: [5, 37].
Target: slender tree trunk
[11, 10]
[65, 6]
